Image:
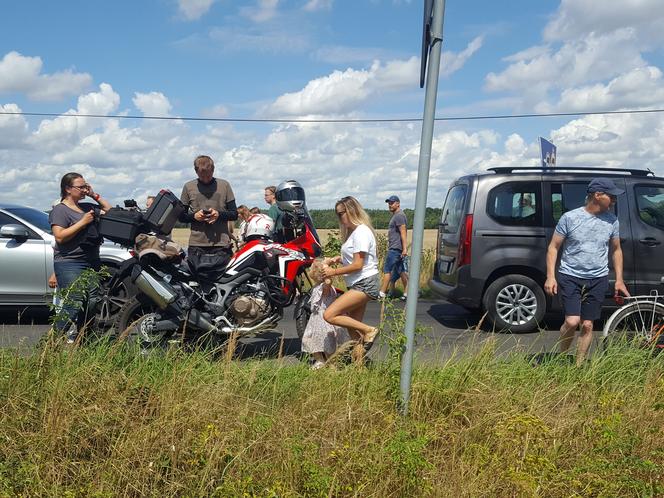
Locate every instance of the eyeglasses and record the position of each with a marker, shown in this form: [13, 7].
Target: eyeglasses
[340, 213]
[81, 187]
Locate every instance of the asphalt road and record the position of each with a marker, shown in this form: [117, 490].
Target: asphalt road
[444, 329]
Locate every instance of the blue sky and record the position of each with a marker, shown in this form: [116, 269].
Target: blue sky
[317, 59]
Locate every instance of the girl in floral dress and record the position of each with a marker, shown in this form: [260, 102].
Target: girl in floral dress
[321, 339]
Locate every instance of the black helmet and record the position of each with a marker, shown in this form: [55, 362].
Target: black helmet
[290, 196]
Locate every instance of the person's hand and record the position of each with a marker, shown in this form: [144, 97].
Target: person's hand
[200, 215]
[91, 192]
[551, 286]
[404, 253]
[328, 272]
[88, 217]
[52, 281]
[621, 288]
[332, 261]
[212, 217]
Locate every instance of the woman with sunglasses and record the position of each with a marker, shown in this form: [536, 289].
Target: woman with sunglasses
[77, 242]
[359, 267]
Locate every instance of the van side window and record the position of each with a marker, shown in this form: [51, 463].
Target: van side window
[516, 204]
[568, 196]
[453, 209]
[650, 202]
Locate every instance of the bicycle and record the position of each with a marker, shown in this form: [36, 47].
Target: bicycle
[640, 322]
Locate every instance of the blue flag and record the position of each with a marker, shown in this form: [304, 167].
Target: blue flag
[548, 152]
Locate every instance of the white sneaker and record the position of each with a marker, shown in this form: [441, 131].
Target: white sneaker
[318, 365]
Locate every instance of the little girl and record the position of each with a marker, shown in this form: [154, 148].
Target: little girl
[320, 338]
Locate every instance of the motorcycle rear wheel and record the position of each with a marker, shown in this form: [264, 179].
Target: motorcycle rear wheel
[134, 321]
[302, 312]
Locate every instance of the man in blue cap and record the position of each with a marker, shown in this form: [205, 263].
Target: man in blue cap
[397, 248]
[585, 234]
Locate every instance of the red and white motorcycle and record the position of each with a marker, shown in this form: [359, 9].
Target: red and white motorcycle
[246, 297]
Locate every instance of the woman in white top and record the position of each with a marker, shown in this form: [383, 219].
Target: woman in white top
[359, 266]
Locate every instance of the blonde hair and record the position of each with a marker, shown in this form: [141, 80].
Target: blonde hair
[316, 271]
[356, 215]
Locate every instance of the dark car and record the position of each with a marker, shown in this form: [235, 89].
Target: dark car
[496, 226]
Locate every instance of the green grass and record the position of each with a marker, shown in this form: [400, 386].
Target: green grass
[102, 421]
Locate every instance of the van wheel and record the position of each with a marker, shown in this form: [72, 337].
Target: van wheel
[515, 303]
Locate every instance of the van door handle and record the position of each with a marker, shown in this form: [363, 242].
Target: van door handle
[650, 241]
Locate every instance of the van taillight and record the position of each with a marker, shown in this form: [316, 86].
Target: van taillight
[465, 241]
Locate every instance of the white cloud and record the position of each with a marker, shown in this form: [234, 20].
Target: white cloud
[576, 18]
[194, 9]
[13, 127]
[22, 74]
[591, 59]
[314, 5]
[65, 130]
[152, 104]
[344, 91]
[263, 11]
[217, 111]
[451, 62]
[639, 88]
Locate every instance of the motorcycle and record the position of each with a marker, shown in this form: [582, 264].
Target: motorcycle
[178, 300]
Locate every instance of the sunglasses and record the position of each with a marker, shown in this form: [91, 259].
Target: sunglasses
[81, 187]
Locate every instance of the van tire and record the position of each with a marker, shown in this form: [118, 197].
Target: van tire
[515, 303]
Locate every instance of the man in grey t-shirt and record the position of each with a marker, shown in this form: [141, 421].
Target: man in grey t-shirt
[397, 248]
[585, 234]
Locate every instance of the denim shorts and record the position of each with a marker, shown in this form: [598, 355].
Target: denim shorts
[368, 285]
[582, 296]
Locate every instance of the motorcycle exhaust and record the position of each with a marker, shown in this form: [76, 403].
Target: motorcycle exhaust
[266, 324]
[162, 293]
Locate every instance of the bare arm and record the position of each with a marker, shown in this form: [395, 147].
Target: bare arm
[356, 265]
[404, 241]
[618, 266]
[103, 203]
[551, 286]
[63, 235]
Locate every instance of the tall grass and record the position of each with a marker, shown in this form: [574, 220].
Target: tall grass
[103, 421]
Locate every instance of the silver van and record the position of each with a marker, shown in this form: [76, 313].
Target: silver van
[496, 226]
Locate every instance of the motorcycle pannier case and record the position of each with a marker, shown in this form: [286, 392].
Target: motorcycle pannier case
[121, 226]
[164, 212]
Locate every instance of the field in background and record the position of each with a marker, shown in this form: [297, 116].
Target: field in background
[181, 236]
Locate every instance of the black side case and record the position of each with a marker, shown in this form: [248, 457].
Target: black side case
[121, 226]
[164, 212]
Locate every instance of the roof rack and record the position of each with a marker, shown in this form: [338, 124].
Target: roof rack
[633, 172]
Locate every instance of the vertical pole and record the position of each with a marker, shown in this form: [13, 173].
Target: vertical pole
[421, 197]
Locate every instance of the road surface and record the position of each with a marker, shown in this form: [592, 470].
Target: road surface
[443, 330]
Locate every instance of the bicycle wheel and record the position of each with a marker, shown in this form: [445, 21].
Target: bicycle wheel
[640, 323]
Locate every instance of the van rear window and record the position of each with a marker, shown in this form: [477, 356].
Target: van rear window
[453, 209]
[516, 204]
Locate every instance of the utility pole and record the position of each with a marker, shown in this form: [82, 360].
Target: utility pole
[432, 40]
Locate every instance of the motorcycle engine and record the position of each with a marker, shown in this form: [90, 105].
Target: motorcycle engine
[249, 310]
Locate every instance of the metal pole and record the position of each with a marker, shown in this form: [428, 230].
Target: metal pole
[421, 197]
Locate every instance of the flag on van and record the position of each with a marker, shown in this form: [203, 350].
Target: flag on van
[548, 153]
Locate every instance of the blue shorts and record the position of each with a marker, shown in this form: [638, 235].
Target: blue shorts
[582, 296]
[394, 264]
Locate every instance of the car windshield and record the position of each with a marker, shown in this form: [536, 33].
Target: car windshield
[33, 216]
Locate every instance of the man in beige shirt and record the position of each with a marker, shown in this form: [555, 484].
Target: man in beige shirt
[211, 206]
